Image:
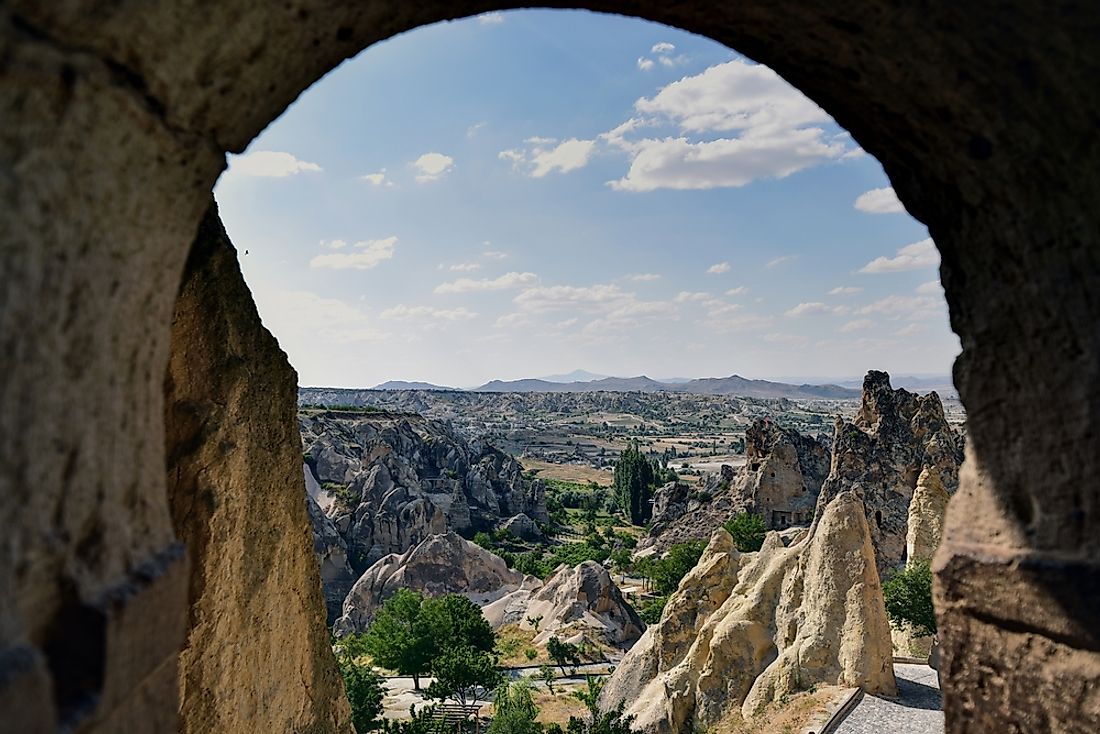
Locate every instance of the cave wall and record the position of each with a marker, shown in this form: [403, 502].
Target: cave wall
[116, 118]
[237, 496]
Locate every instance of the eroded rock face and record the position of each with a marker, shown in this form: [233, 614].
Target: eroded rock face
[330, 549]
[780, 480]
[573, 603]
[896, 436]
[390, 480]
[441, 564]
[927, 510]
[257, 655]
[522, 526]
[743, 629]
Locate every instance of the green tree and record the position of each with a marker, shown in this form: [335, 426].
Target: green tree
[748, 531]
[535, 622]
[908, 596]
[420, 721]
[465, 674]
[563, 653]
[633, 484]
[599, 722]
[398, 640]
[453, 620]
[670, 570]
[546, 672]
[590, 694]
[363, 686]
[514, 710]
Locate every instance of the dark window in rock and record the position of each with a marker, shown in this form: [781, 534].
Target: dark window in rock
[878, 518]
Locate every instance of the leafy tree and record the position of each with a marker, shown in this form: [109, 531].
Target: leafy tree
[363, 686]
[908, 596]
[748, 531]
[590, 694]
[535, 622]
[465, 674]
[455, 621]
[484, 540]
[651, 610]
[420, 721]
[546, 672]
[599, 722]
[563, 653]
[397, 639]
[633, 484]
[681, 558]
[514, 710]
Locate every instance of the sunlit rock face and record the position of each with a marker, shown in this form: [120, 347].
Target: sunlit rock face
[896, 438]
[744, 629]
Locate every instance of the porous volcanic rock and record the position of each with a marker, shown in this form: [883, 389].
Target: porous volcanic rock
[575, 601]
[522, 527]
[780, 480]
[257, 656]
[331, 551]
[927, 510]
[896, 436]
[744, 629]
[441, 564]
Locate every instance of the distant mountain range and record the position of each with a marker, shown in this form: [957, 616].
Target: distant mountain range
[733, 385]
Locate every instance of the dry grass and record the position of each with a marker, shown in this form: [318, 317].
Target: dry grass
[790, 715]
[570, 472]
[512, 642]
[558, 706]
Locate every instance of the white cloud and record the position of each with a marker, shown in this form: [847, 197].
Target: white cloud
[268, 164]
[905, 307]
[911, 329]
[402, 312]
[368, 254]
[857, 325]
[738, 291]
[664, 47]
[777, 261]
[719, 268]
[932, 287]
[377, 179]
[629, 315]
[645, 64]
[643, 277]
[540, 159]
[302, 316]
[432, 166]
[504, 282]
[494, 254]
[465, 267]
[791, 339]
[551, 298]
[918, 255]
[686, 296]
[804, 309]
[879, 201]
[474, 129]
[491, 18]
[844, 290]
[671, 61]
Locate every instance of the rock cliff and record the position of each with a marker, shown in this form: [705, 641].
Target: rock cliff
[744, 629]
[780, 480]
[897, 438]
[574, 602]
[441, 564]
[389, 480]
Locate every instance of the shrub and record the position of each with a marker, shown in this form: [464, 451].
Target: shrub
[748, 531]
[908, 596]
[651, 610]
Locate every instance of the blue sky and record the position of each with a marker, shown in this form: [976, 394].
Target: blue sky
[531, 192]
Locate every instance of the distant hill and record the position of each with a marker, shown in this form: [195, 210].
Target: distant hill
[732, 385]
[574, 376]
[402, 385]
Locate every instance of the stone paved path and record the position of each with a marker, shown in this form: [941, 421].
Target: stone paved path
[918, 709]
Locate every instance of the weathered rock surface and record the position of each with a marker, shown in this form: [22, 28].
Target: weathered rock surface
[743, 629]
[390, 480]
[441, 564]
[574, 602]
[927, 510]
[522, 527]
[257, 656]
[896, 436]
[780, 480]
[331, 551]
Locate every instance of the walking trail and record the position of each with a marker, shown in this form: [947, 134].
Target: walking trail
[918, 709]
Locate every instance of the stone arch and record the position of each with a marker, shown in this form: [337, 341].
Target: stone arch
[117, 116]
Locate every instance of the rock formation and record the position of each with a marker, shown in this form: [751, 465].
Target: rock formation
[390, 480]
[257, 656]
[331, 550]
[780, 480]
[896, 438]
[441, 564]
[927, 510]
[744, 629]
[522, 527]
[574, 602]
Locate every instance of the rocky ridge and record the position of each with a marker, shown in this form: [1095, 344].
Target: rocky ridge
[744, 629]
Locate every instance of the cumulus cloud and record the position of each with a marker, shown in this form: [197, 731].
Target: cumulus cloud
[932, 287]
[879, 201]
[643, 277]
[857, 325]
[377, 179]
[402, 312]
[306, 317]
[491, 18]
[719, 268]
[645, 64]
[777, 261]
[844, 290]
[268, 164]
[664, 47]
[912, 308]
[556, 297]
[465, 267]
[365, 255]
[805, 309]
[541, 159]
[686, 296]
[916, 256]
[494, 254]
[738, 291]
[474, 129]
[432, 166]
[504, 282]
